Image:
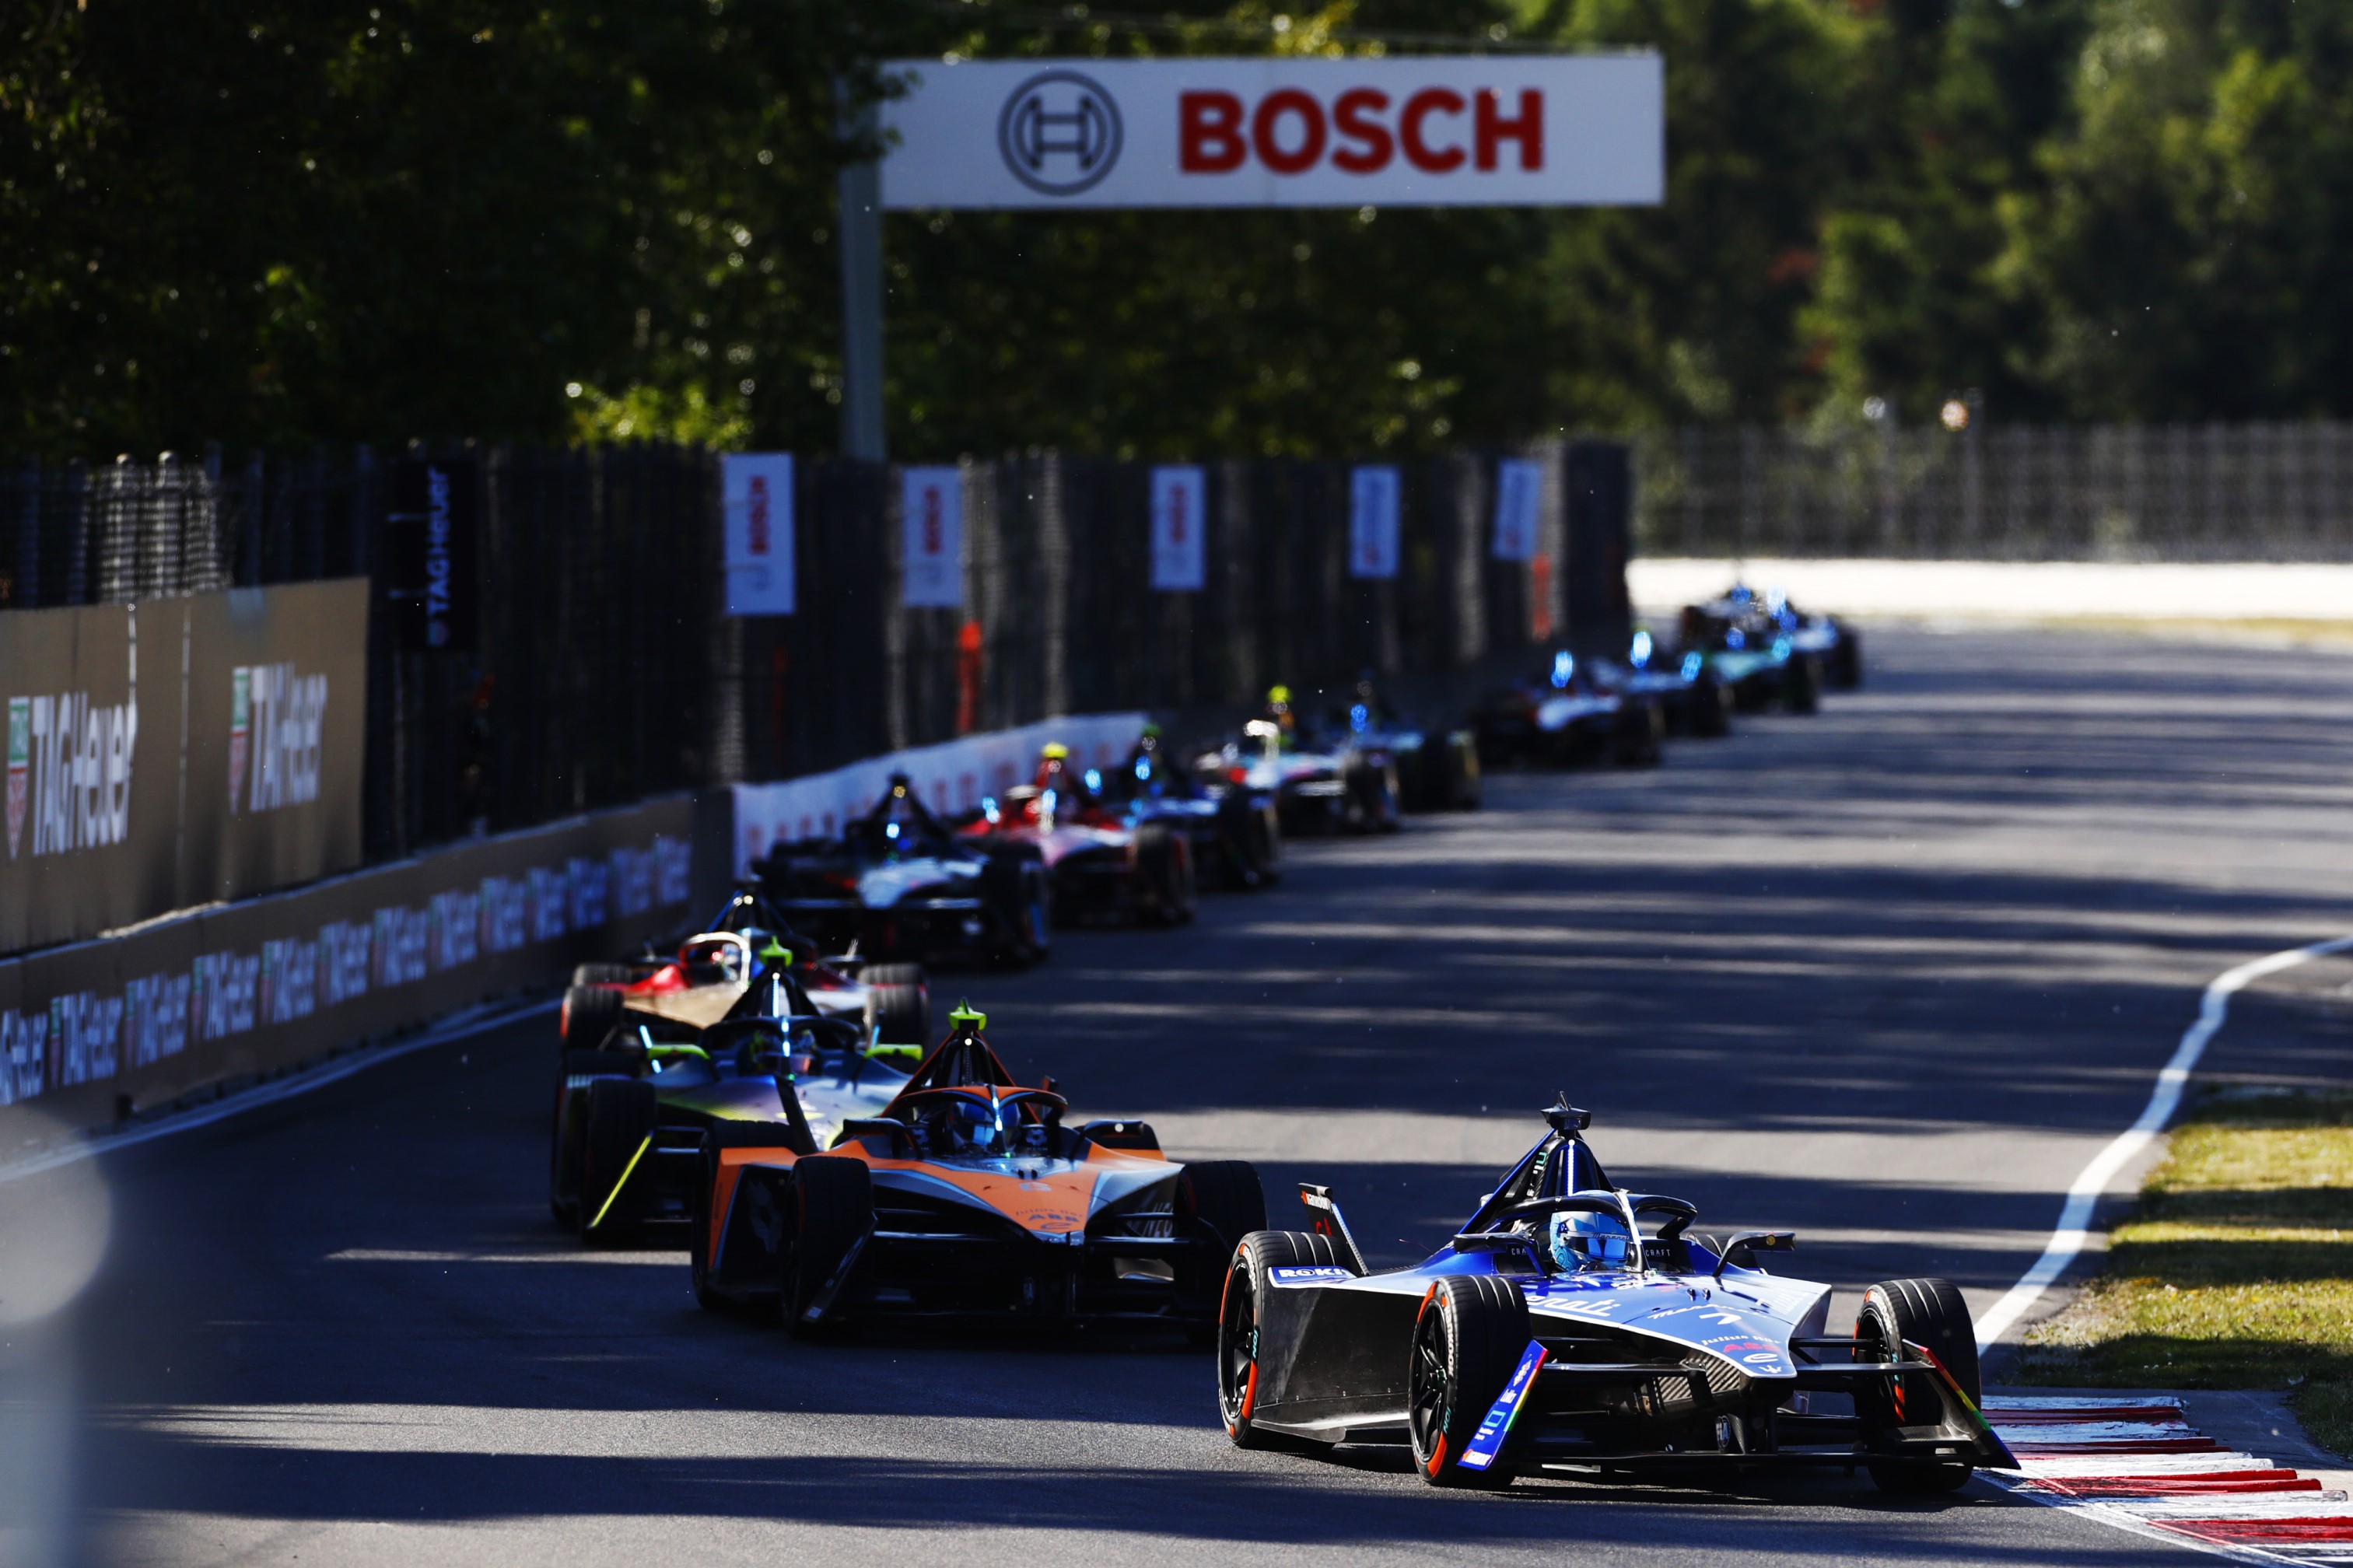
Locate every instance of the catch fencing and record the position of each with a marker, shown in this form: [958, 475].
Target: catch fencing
[602, 669]
[2016, 492]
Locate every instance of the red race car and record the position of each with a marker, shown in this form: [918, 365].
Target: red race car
[1100, 867]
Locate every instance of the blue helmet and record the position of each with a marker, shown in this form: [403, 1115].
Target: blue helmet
[1581, 1240]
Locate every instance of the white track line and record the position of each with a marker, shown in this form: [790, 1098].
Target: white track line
[474, 1021]
[2075, 1218]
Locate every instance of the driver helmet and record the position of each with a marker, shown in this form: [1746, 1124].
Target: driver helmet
[1580, 1240]
[964, 1127]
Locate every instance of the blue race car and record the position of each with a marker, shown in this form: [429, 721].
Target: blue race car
[1236, 831]
[1572, 1323]
[1767, 651]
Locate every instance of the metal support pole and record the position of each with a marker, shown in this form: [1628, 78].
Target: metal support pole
[861, 228]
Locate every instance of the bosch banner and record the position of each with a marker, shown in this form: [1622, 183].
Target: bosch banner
[1176, 563]
[758, 488]
[932, 524]
[434, 503]
[1405, 131]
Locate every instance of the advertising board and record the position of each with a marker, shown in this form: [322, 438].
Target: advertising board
[176, 752]
[1401, 131]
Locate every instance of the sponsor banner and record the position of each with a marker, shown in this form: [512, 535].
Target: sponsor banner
[142, 1019]
[89, 835]
[932, 528]
[429, 540]
[1519, 499]
[176, 752]
[277, 705]
[758, 492]
[1405, 131]
[1178, 504]
[951, 778]
[1373, 522]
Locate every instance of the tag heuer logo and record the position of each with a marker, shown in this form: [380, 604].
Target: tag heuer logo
[20, 766]
[241, 723]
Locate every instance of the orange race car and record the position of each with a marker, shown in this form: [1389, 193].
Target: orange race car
[966, 1197]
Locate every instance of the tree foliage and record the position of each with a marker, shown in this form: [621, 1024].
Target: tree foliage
[326, 220]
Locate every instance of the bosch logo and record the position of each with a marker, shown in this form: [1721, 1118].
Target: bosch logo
[1060, 134]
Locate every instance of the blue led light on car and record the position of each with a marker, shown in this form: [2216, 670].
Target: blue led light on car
[1736, 638]
[1094, 780]
[1780, 647]
[891, 830]
[1143, 767]
[1692, 664]
[1564, 670]
[1359, 718]
[1640, 652]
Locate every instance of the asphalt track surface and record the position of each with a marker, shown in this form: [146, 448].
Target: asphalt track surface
[1889, 976]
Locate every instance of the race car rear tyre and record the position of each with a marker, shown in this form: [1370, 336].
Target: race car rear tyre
[1019, 904]
[1843, 671]
[1708, 707]
[1224, 1197]
[1164, 858]
[833, 1206]
[605, 974]
[1470, 1334]
[1372, 794]
[1465, 790]
[1801, 683]
[902, 1013]
[1637, 739]
[1238, 1325]
[1930, 1313]
[1245, 839]
[620, 1121]
[589, 1015]
[570, 1130]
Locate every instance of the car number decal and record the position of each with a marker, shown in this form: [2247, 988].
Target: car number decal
[1306, 1274]
[1487, 1444]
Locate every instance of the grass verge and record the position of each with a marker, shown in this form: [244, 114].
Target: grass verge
[2237, 1272]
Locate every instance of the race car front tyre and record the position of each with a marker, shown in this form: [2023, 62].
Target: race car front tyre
[716, 1139]
[1164, 859]
[1469, 1335]
[589, 1015]
[833, 1208]
[606, 974]
[903, 1013]
[894, 974]
[619, 1125]
[1930, 1313]
[1237, 1339]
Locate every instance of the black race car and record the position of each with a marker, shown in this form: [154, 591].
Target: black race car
[1235, 829]
[1570, 714]
[900, 884]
